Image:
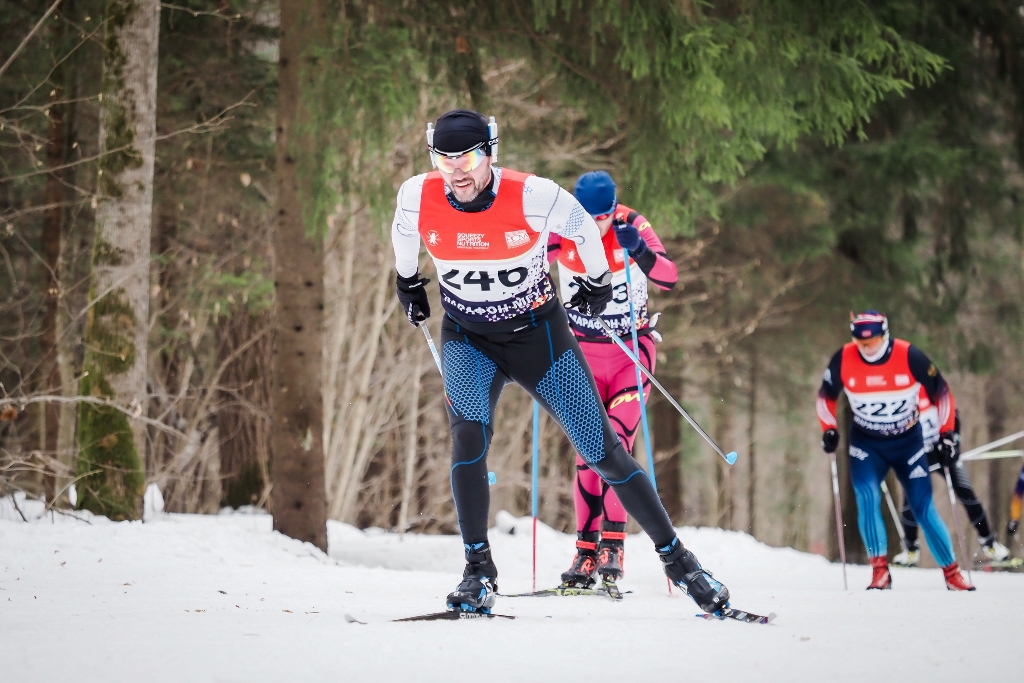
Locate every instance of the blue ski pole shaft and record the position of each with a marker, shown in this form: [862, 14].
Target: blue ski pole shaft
[533, 486]
[639, 377]
[433, 349]
[731, 457]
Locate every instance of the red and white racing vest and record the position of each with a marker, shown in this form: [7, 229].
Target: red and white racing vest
[884, 398]
[491, 263]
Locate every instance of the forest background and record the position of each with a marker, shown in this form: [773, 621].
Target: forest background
[196, 279]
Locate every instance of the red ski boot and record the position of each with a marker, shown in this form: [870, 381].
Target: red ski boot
[611, 551]
[880, 577]
[584, 565]
[955, 580]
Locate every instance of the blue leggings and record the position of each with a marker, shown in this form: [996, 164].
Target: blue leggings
[870, 460]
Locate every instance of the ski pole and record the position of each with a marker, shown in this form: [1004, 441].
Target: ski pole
[839, 516]
[639, 379]
[969, 455]
[895, 516]
[433, 349]
[731, 457]
[995, 455]
[956, 523]
[533, 487]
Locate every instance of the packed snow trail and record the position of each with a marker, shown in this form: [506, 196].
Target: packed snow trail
[224, 599]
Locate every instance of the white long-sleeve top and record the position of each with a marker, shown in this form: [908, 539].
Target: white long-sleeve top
[491, 267]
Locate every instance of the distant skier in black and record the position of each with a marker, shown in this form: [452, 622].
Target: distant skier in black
[487, 230]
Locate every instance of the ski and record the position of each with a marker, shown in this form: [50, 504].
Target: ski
[455, 615]
[739, 615]
[612, 592]
[1014, 564]
[447, 615]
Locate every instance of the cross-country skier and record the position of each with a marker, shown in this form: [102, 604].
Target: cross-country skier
[882, 378]
[911, 556]
[1015, 504]
[600, 518]
[487, 229]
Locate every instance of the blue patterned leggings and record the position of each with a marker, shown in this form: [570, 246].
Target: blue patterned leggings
[545, 359]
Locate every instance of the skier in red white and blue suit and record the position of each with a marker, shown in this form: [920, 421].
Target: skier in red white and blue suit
[882, 377]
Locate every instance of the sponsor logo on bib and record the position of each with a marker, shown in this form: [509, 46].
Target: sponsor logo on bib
[433, 239]
[516, 238]
[902, 380]
[875, 380]
[471, 240]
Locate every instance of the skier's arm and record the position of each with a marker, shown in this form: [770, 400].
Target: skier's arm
[925, 372]
[405, 236]
[651, 257]
[548, 207]
[828, 394]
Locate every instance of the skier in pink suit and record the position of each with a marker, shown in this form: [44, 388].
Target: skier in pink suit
[600, 517]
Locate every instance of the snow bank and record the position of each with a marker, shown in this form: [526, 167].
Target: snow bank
[223, 598]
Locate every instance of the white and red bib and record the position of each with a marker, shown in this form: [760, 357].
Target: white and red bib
[616, 315]
[884, 397]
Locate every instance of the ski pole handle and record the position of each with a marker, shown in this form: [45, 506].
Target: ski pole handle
[433, 349]
[731, 457]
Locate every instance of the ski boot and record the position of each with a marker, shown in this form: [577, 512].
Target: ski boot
[910, 557]
[581, 573]
[683, 569]
[479, 581]
[881, 579]
[611, 552]
[955, 580]
[994, 550]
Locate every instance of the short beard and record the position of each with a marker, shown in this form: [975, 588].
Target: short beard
[472, 193]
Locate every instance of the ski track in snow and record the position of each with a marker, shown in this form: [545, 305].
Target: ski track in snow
[130, 601]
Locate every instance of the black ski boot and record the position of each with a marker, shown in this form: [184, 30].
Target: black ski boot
[683, 569]
[611, 552]
[479, 581]
[581, 573]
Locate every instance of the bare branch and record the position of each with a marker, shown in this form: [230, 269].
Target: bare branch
[24, 42]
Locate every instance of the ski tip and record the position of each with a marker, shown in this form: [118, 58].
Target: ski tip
[731, 458]
[352, 620]
[771, 617]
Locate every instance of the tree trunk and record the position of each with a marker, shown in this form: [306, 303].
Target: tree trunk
[298, 498]
[995, 417]
[665, 433]
[411, 441]
[721, 412]
[56, 195]
[117, 323]
[751, 447]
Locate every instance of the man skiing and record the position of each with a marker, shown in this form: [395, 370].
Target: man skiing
[882, 378]
[911, 556]
[486, 229]
[600, 518]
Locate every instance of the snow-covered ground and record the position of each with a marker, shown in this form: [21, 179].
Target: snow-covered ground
[223, 598]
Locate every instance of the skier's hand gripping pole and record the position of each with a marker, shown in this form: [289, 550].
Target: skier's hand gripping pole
[839, 515]
[730, 457]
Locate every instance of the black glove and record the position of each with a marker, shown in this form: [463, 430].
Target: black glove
[628, 236]
[830, 441]
[413, 295]
[592, 296]
[948, 448]
[1011, 526]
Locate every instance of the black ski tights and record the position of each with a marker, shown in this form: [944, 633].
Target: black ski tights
[544, 358]
[964, 491]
